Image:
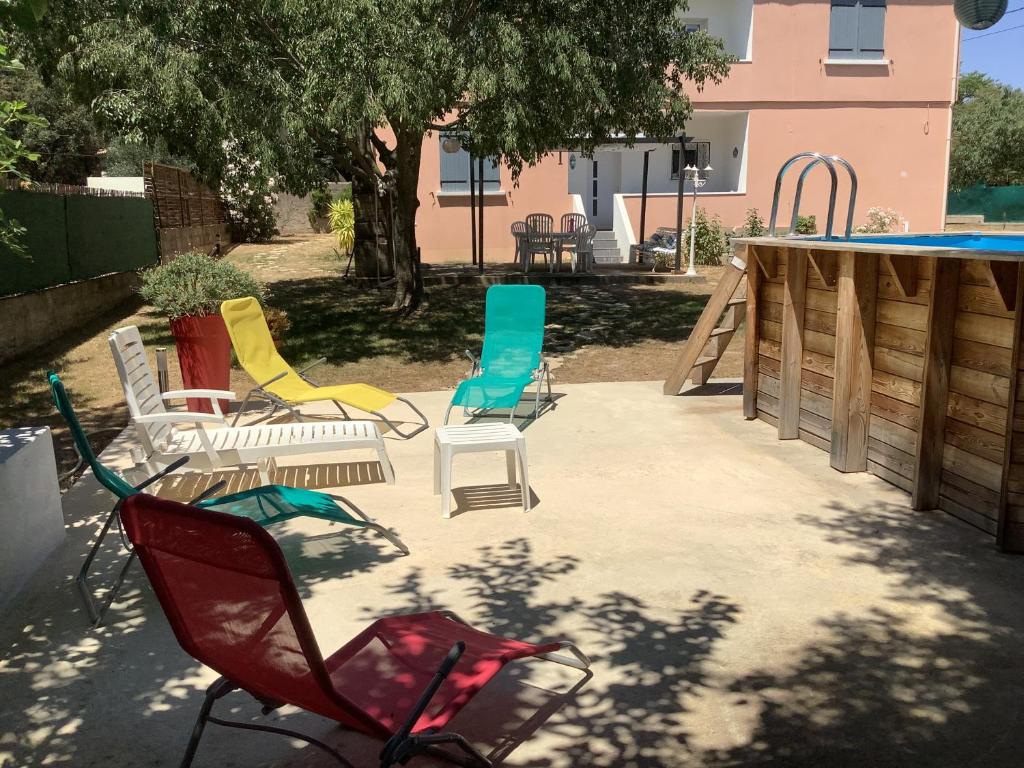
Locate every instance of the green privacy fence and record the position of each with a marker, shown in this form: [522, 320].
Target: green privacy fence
[74, 235]
[994, 203]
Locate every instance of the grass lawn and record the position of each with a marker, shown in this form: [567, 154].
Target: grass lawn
[618, 333]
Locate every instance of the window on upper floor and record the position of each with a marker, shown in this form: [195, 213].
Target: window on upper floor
[698, 153]
[455, 171]
[695, 25]
[857, 29]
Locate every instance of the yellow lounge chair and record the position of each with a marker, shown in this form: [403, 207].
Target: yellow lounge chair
[282, 385]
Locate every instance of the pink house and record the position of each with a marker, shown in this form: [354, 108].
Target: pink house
[871, 80]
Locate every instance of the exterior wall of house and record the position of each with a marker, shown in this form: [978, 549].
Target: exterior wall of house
[899, 154]
[890, 118]
[443, 220]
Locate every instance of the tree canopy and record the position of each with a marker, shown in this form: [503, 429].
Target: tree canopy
[988, 133]
[65, 142]
[317, 88]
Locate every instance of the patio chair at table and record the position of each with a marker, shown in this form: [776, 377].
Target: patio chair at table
[266, 505]
[571, 222]
[520, 231]
[582, 250]
[259, 444]
[229, 596]
[539, 239]
[282, 385]
[511, 357]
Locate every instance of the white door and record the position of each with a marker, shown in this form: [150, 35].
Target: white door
[605, 179]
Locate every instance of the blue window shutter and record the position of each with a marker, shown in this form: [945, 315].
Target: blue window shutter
[492, 174]
[454, 170]
[871, 29]
[842, 31]
[857, 29]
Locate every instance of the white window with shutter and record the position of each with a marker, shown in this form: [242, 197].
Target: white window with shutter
[857, 30]
[455, 171]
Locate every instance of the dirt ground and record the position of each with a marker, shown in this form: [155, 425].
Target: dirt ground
[615, 333]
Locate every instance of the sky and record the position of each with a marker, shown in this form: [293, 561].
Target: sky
[997, 55]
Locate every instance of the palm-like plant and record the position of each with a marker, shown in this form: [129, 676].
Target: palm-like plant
[342, 217]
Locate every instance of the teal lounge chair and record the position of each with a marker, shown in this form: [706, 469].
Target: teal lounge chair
[265, 505]
[511, 358]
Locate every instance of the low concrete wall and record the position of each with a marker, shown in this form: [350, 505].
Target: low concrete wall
[31, 320]
[30, 511]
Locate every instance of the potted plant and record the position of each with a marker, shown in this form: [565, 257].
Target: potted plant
[189, 291]
[278, 322]
[320, 204]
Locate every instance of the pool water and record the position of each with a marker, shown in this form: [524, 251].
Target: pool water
[967, 240]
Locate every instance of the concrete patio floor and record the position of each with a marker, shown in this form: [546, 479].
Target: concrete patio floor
[742, 603]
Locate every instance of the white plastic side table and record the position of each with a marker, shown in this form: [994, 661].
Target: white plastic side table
[475, 438]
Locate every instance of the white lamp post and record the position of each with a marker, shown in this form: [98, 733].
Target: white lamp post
[699, 178]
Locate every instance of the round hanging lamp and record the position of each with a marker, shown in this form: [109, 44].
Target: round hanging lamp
[979, 14]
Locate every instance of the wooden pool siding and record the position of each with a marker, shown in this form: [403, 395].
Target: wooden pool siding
[905, 365]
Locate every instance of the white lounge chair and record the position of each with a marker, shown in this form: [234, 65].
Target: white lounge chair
[260, 444]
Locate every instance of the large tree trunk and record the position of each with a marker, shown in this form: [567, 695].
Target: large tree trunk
[408, 279]
[372, 250]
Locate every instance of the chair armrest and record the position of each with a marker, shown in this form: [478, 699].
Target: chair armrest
[216, 487]
[163, 472]
[473, 359]
[396, 747]
[314, 364]
[209, 394]
[272, 379]
[172, 417]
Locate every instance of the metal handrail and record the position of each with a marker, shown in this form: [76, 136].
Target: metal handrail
[816, 158]
[778, 187]
[853, 192]
[830, 221]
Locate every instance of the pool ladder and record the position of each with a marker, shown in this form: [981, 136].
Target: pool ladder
[816, 159]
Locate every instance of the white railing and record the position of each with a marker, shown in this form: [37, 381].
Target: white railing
[622, 226]
[577, 204]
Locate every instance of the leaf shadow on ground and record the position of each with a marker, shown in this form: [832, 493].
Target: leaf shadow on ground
[126, 695]
[876, 691]
[347, 324]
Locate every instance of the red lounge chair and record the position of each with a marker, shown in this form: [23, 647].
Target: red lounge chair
[227, 592]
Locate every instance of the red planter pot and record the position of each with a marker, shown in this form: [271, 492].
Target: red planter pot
[204, 354]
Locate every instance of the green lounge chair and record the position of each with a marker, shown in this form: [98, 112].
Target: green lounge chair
[511, 358]
[265, 505]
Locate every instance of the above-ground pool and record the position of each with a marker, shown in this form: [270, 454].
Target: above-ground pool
[898, 355]
[977, 241]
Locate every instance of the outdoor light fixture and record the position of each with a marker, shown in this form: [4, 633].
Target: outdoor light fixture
[572, 161]
[451, 144]
[979, 14]
[699, 178]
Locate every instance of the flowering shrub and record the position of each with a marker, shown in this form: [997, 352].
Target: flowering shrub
[880, 221]
[247, 189]
[753, 225]
[710, 244]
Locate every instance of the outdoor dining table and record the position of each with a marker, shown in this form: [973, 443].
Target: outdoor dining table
[558, 238]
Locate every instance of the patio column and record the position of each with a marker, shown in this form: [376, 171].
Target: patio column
[680, 196]
[472, 207]
[643, 196]
[480, 250]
